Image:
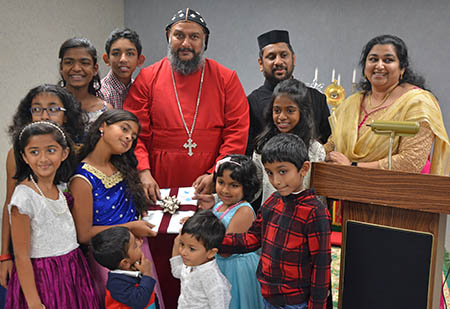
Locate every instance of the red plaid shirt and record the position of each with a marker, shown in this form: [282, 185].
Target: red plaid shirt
[294, 234]
[113, 90]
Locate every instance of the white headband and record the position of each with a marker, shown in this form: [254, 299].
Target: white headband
[224, 160]
[43, 122]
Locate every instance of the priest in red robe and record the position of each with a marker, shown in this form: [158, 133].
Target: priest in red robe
[193, 112]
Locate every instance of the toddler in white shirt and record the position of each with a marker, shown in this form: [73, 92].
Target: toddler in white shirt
[193, 262]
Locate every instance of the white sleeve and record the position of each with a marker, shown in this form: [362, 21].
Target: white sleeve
[176, 265]
[266, 186]
[316, 152]
[22, 198]
[259, 173]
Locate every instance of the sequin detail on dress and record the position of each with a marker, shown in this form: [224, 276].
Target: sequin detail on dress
[107, 181]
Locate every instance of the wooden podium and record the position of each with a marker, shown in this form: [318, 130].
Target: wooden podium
[381, 198]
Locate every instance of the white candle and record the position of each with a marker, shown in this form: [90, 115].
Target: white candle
[332, 76]
[339, 79]
[354, 76]
[316, 73]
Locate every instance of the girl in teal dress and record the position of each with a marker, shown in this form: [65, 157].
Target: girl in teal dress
[236, 183]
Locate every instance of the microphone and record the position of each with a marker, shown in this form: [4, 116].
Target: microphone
[401, 128]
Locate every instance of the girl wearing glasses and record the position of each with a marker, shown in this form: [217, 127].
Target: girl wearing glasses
[45, 102]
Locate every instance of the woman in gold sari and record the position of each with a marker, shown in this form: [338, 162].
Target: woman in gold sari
[390, 91]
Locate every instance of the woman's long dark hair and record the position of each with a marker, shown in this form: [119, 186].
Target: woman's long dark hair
[76, 119]
[299, 94]
[126, 162]
[402, 54]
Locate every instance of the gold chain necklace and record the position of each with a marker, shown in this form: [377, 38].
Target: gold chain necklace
[369, 104]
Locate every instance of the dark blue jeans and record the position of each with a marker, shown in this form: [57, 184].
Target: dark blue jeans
[267, 305]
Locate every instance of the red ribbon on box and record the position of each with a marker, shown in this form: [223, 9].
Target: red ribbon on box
[167, 216]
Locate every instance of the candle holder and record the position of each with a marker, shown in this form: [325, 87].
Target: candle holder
[316, 85]
[315, 82]
[335, 94]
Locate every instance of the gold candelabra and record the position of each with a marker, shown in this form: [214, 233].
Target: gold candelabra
[335, 94]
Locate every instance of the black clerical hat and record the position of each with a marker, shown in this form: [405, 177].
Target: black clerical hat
[272, 37]
[188, 15]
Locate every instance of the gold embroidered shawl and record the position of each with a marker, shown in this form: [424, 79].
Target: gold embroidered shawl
[415, 105]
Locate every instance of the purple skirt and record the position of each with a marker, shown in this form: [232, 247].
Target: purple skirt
[62, 282]
[100, 275]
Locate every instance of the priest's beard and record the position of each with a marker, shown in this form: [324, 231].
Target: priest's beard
[274, 80]
[185, 67]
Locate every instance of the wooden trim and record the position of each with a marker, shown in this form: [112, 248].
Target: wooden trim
[426, 193]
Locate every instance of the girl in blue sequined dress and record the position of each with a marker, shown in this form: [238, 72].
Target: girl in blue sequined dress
[106, 187]
[236, 183]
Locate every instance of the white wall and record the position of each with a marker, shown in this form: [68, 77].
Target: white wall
[325, 34]
[31, 32]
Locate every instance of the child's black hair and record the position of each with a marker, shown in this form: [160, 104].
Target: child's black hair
[206, 228]
[285, 147]
[299, 94]
[110, 246]
[21, 139]
[123, 33]
[75, 119]
[94, 85]
[126, 163]
[245, 172]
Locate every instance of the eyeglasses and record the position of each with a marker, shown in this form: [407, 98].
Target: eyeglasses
[53, 110]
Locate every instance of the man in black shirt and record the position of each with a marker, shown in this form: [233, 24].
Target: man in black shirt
[277, 62]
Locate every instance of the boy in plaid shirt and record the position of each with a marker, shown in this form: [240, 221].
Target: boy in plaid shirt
[292, 229]
[123, 54]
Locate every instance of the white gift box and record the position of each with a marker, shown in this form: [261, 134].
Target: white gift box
[165, 222]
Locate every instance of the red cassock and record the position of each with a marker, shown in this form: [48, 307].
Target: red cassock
[221, 128]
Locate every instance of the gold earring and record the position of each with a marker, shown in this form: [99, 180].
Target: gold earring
[401, 75]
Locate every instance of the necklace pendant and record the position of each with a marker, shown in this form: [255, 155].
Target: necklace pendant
[190, 144]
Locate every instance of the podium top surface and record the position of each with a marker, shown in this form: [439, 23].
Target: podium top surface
[428, 193]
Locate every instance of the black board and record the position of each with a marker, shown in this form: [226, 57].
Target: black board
[385, 267]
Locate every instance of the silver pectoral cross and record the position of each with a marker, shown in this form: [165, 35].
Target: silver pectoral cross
[190, 144]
